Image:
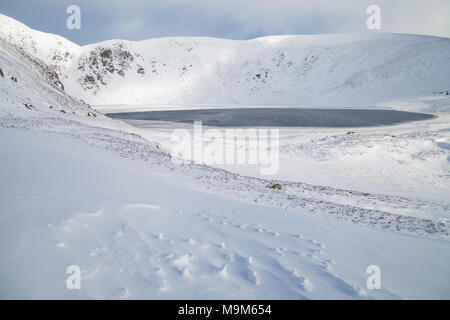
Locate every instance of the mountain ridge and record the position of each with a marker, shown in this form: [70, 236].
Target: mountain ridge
[326, 70]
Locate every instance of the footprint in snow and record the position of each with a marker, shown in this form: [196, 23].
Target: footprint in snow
[204, 217]
[223, 272]
[242, 267]
[228, 257]
[302, 282]
[315, 242]
[220, 245]
[280, 250]
[182, 263]
[252, 276]
[317, 252]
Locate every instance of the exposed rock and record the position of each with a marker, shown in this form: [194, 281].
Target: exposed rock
[90, 79]
[91, 114]
[1, 73]
[106, 54]
[276, 186]
[54, 78]
[102, 63]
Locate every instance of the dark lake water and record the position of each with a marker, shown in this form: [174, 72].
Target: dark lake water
[278, 117]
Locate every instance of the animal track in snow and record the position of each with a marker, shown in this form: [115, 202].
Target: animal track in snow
[242, 267]
[182, 262]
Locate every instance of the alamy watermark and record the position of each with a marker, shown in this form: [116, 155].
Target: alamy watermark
[374, 20]
[374, 280]
[74, 20]
[74, 280]
[259, 147]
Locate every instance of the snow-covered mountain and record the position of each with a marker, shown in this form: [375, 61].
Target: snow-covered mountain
[330, 70]
[28, 84]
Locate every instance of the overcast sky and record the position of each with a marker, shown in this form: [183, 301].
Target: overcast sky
[234, 19]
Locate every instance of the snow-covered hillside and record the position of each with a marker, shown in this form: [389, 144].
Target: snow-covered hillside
[326, 70]
[28, 84]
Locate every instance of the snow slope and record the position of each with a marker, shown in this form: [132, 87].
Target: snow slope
[27, 83]
[411, 159]
[140, 230]
[326, 70]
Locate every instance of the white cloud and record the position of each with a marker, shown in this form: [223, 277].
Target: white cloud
[239, 19]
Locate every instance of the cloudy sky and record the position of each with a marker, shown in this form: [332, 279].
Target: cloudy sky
[234, 19]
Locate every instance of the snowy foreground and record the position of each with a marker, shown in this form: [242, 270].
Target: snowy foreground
[141, 227]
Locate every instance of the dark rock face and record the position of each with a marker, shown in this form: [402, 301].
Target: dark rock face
[102, 63]
[106, 54]
[89, 82]
[54, 78]
[141, 70]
